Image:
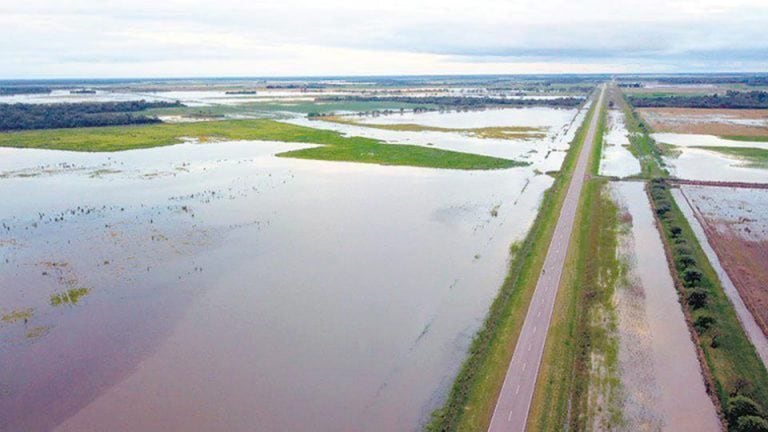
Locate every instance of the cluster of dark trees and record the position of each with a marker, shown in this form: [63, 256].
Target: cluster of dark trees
[458, 101]
[16, 90]
[731, 99]
[51, 116]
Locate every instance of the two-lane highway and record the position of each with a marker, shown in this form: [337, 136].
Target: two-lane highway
[514, 402]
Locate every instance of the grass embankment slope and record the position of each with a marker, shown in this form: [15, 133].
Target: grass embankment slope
[333, 145]
[495, 132]
[581, 352]
[472, 398]
[731, 364]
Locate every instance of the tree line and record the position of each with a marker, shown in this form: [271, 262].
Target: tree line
[731, 99]
[18, 90]
[458, 101]
[69, 115]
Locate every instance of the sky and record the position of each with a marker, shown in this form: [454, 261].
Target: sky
[192, 38]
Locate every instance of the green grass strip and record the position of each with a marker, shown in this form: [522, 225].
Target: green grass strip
[335, 146]
[754, 157]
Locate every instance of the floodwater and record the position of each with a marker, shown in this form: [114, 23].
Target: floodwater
[707, 200]
[660, 373]
[217, 287]
[617, 160]
[705, 165]
[544, 154]
[691, 140]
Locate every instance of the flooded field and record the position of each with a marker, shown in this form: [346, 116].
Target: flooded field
[718, 122]
[544, 154]
[216, 287]
[732, 224]
[662, 383]
[616, 159]
[706, 165]
[694, 140]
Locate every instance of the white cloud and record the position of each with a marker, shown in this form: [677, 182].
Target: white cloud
[45, 38]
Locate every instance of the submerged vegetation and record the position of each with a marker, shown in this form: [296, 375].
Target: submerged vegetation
[473, 395]
[642, 146]
[333, 145]
[69, 297]
[495, 132]
[753, 157]
[730, 358]
[463, 101]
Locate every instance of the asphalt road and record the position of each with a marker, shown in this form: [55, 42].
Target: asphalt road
[514, 402]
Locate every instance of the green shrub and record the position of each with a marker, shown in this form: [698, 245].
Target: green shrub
[686, 260]
[676, 231]
[741, 406]
[703, 323]
[692, 276]
[751, 424]
[697, 298]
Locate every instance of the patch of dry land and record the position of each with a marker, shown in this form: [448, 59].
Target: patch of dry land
[736, 222]
[721, 122]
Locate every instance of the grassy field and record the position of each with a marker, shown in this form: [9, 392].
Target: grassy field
[335, 147]
[730, 357]
[470, 403]
[496, 132]
[754, 157]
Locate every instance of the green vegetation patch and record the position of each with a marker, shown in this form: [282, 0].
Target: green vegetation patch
[335, 146]
[754, 157]
[495, 132]
[763, 138]
[17, 315]
[642, 146]
[69, 297]
[731, 360]
[472, 398]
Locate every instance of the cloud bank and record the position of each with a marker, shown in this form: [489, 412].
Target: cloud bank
[140, 38]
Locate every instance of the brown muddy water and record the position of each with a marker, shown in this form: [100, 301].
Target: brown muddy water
[659, 371]
[208, 287]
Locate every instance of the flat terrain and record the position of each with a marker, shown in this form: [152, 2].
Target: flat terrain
[333, 145]
[719, 122]
[736, 224]
[511, 412]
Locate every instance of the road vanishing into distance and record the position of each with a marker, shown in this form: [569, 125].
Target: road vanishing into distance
[514, 402]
